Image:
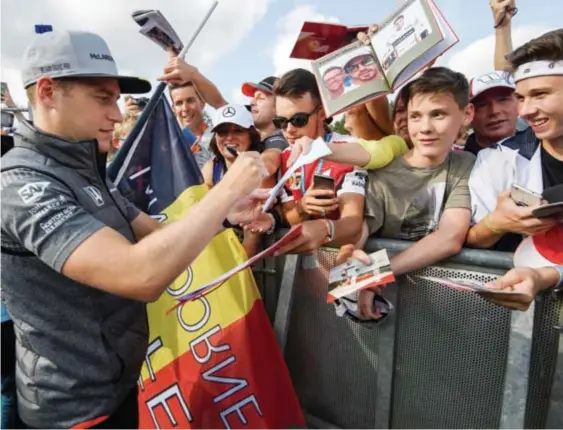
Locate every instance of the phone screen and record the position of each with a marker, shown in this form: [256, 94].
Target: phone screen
[321, 182]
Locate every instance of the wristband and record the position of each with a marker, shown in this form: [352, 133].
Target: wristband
[487, 221]
[273, 227]
[330, 229]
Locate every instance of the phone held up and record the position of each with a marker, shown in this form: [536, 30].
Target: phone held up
[524, 197]
[321, 182]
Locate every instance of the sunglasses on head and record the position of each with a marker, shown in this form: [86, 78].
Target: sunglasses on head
[366, 61]
[299, 120]
[225, 130]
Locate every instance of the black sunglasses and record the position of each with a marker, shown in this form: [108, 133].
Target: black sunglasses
[366, 61]
[300, 119]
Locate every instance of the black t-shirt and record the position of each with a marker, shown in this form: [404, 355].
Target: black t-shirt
[471, 145]
[275, 141]
[552, 169]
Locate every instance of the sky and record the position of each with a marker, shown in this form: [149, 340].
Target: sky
[247, 40]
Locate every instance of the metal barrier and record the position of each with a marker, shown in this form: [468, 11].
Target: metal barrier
[443, 359]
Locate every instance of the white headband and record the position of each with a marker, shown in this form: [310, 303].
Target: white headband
[538, 68]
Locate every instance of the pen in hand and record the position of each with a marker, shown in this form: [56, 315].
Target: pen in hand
[233, 151]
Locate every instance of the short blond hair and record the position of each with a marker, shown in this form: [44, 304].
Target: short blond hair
[64, 84]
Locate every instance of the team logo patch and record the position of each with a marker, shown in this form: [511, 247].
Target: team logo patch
[229, 112]
[30, 193]
[94, 194]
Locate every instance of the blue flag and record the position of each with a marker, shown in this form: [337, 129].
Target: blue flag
[155, 165]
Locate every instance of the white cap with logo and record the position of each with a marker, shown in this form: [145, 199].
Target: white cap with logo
[488, 81]
[233, 114]
[67, 54]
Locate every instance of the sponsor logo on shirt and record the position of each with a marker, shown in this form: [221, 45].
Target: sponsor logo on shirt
[94, 194]
[32, 192]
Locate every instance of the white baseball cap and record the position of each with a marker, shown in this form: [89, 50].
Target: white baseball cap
[62, 54]
[233, 114]
[488, 81]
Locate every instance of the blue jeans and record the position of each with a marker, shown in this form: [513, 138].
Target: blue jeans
[10, 419]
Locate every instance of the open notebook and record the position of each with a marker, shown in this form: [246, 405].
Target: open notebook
[407, 41]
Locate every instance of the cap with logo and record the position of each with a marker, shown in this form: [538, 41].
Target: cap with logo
[67, 54]
[266, 85]
[488, 81]
[233, 114]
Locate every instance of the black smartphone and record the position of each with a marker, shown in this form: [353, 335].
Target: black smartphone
[321, 182]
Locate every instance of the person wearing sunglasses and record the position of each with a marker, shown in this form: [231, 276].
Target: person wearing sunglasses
[234, 133]
[362, 69]
[328, 215]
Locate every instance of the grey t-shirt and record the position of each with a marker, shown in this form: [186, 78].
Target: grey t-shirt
[275, 141]
[40, 215]
[405, 202]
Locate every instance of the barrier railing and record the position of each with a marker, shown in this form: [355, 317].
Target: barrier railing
[443, 359]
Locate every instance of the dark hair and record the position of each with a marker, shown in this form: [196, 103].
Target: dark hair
[296, 83]
[547, 47]
[184, 85]
[330, 69]
[255, 143]
[441, 80]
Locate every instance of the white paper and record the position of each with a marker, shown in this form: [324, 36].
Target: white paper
[319, 149]
[353, 276]
[158, 29]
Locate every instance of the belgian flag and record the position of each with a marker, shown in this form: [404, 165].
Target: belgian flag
[214, 362]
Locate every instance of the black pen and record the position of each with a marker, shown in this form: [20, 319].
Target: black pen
[233, 151]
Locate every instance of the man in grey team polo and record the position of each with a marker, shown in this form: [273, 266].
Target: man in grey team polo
[78, 260]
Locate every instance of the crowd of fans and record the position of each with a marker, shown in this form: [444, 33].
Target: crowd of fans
[435, 168]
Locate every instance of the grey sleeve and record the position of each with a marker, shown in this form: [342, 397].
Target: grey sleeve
[131, 211]
[42, 215]
[275, 142]
[374, 212]
[460, 196]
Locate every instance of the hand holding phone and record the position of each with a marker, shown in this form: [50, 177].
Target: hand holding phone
[321, 198]
[524, 197]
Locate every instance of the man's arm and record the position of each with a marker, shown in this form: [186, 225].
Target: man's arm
[348, 228]
[49, 222]
[446, 241]
[177, 72]
[367, 154]
[379, 112]
[526, 283]
[507, 217]
[315, 233]
[503, 32]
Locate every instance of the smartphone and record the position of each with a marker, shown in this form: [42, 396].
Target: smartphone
[524, 197]
[321, 182]
[552, 210]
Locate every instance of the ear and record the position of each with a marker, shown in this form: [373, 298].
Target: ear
[45, 91]
[468, 114]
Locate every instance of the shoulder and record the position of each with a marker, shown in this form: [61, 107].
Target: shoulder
[275, 141]
[462, 156]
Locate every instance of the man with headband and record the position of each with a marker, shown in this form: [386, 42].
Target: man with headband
[538, 164]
